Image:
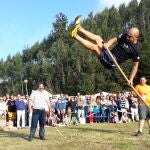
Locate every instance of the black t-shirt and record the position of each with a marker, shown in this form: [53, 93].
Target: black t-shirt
[125, 50]
[72, 104]
[11, 106]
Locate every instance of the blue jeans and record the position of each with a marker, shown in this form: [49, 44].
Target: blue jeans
[104, 115]
[97, 117]
[86, 110]
[38, 115]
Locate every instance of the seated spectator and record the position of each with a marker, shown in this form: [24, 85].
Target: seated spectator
[124, 118]
[74, 120]
[2, 120]
[9, 126]
[54, 121]
[66, 121]
[114, 117]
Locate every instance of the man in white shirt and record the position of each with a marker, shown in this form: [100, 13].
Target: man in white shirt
[38, 100]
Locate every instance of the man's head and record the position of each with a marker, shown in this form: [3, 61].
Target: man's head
[143, 80]
[133, 35]
[40, 86]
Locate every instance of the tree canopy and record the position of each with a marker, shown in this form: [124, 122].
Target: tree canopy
[66, 67]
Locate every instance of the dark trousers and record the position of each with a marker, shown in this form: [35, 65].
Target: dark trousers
[104, 115]
[38, 115]
[97, 117]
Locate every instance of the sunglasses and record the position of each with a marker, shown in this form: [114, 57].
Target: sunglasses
[130, 36]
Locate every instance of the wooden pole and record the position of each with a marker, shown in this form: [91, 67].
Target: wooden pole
[125, 77]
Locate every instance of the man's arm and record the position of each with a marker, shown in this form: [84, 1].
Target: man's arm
[29, 105]
[133, 72]
[110, 42]
[49, 105]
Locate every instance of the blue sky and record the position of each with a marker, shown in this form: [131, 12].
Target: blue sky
[24, 22]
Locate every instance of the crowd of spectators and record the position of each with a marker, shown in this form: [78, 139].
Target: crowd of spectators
[72, 110]
[13, 111]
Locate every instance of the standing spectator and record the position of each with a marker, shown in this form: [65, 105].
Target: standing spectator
[47, 110]
[3, 110]
[103, 104]
[11, 107]
[63, 105]
[21, 108]
[87, 105]
[118, 102]
[69, 114]
[144, 112]
[91, 116]
[25, 99]
[134, 108]
[124, 105]
[58, 107]
[110, 106]
[67, 102]
[72, 104]
[38, 100]
[80, 104]
[53, 102]
[96, 112]
[98, 103]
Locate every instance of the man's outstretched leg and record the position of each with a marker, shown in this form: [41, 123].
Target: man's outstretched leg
[95, 47]
[76, 26]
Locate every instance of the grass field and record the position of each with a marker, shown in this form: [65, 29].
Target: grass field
[103, 136]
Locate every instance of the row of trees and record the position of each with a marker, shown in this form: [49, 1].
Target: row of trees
[65, 66]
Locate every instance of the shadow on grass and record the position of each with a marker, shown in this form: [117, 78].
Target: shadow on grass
[109, 131]
[14, 134]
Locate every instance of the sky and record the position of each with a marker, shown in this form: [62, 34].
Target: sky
[24, 22]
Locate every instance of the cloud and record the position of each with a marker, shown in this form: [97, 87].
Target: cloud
[116, 3]
[109, 3]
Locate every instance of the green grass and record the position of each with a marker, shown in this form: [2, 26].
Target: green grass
[103, 136]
